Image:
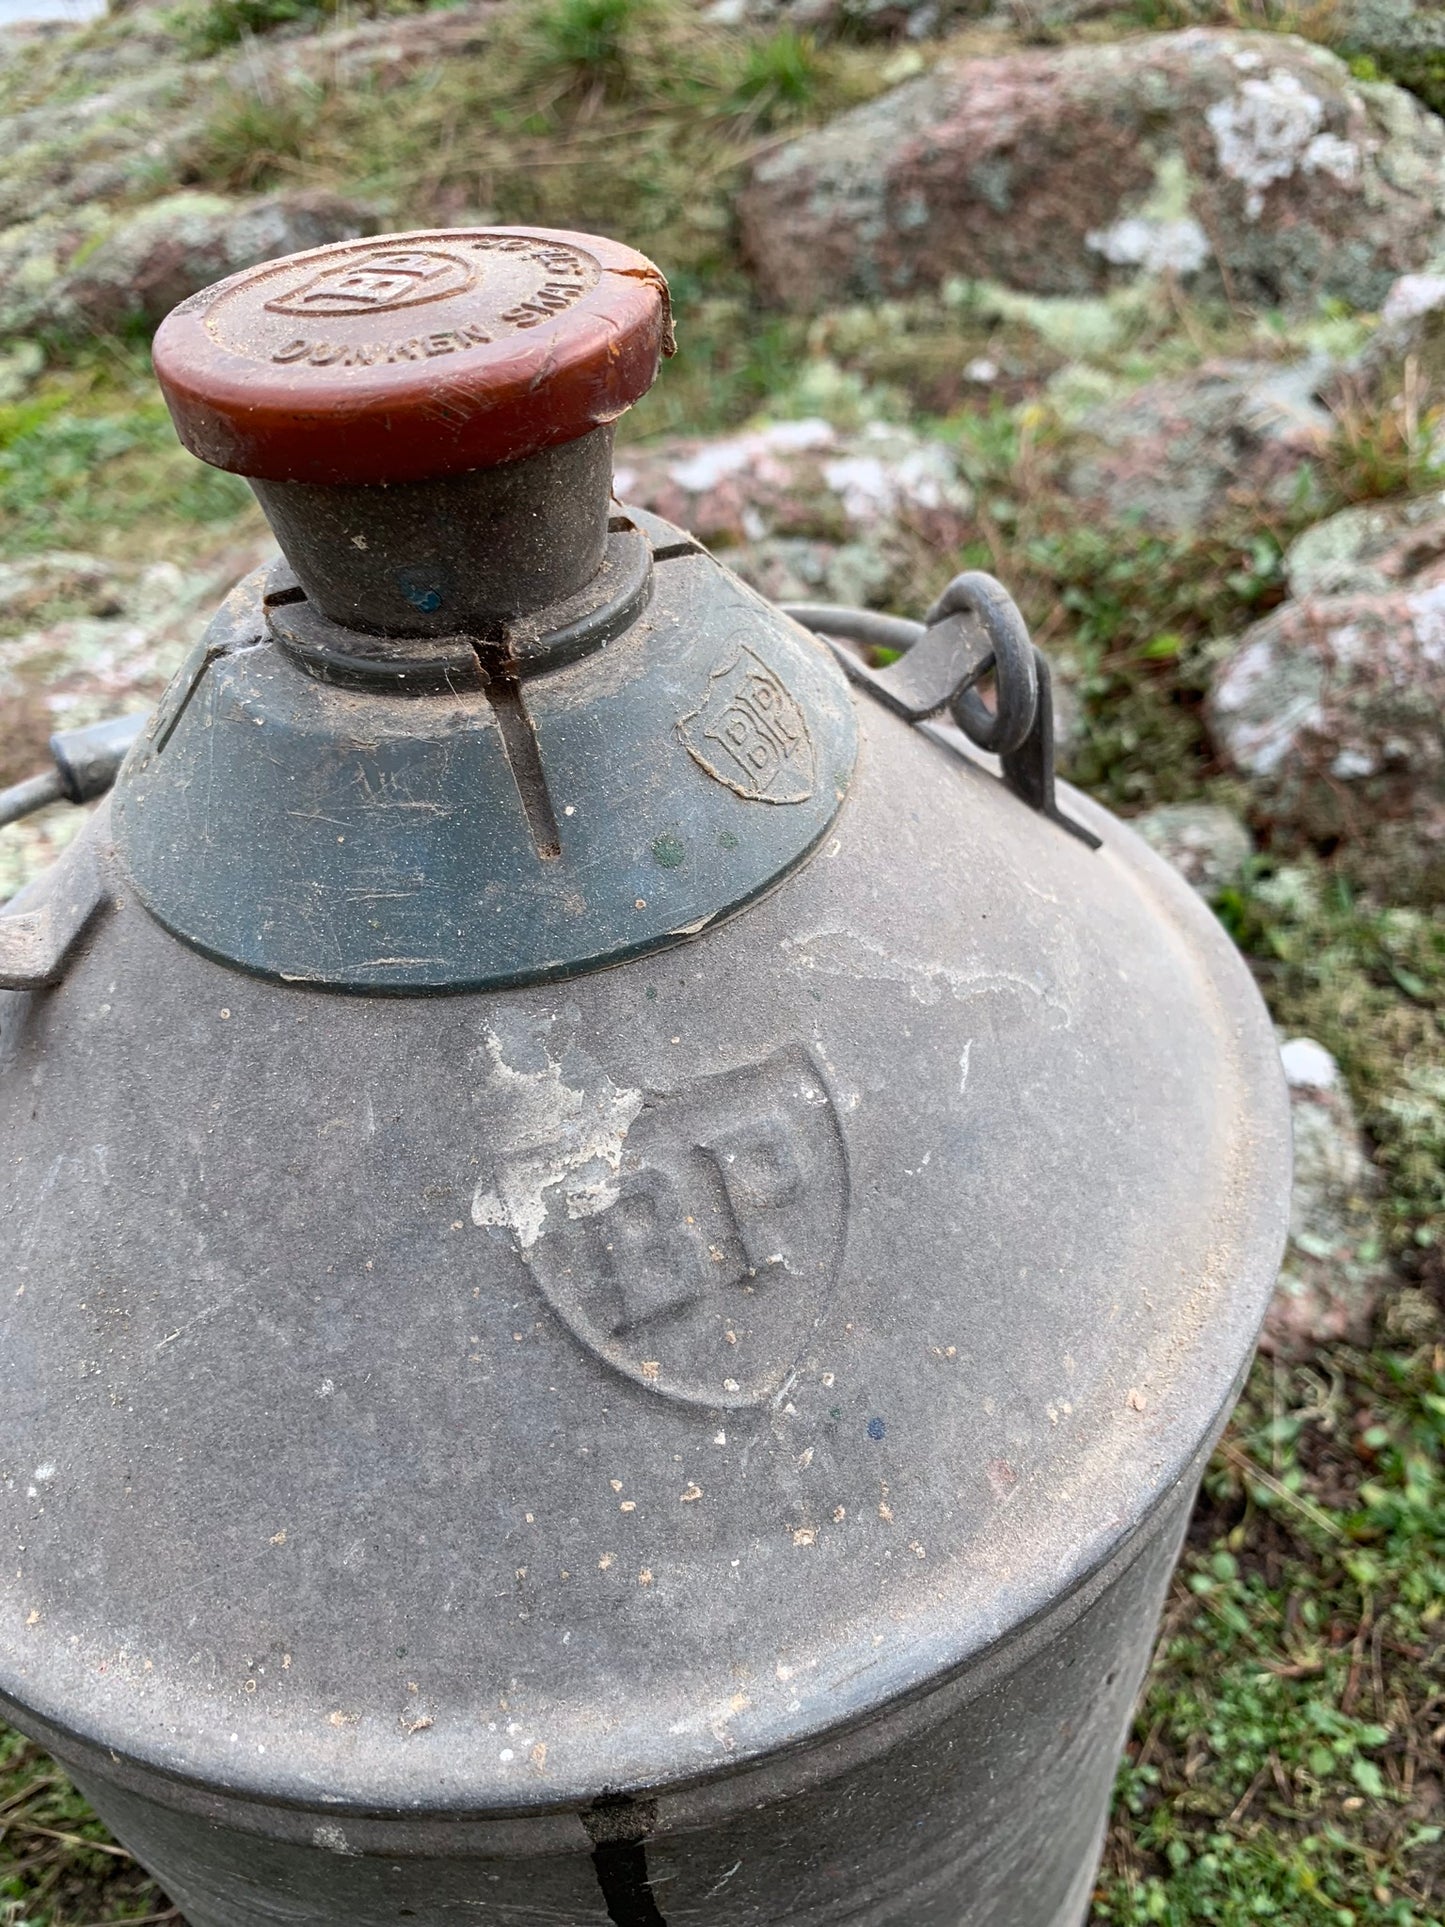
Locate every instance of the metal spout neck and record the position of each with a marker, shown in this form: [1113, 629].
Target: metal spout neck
[459, 554]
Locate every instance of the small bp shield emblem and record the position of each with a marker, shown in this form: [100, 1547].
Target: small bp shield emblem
[749, 732]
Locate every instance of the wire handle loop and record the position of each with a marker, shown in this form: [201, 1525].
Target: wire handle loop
[1006, 727]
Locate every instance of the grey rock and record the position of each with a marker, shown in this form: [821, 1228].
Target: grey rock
[1179, 452]
[1334, 1270]
[796, 568]
[805, 510]
[1333, 708]
[1411, 331]
[1388, 29]
[861, 19]
[1249, 165]
[1208, 845]
[1369, 549]
[146, 263]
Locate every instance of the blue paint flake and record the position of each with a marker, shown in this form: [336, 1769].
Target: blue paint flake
[420, 595]
[876, 1428]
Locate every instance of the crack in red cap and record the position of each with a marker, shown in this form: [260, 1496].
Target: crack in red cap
[411, 356]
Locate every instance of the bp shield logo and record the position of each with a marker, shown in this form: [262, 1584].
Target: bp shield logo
[750, 733]
[690, 1238]
[378, 282]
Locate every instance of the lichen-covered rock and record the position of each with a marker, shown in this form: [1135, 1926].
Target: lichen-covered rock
[59, 576]
[33, 258]
[805, 511]
[149, 261]
[1178, 452]
[1334, 708]
[1411, 331]
[86, 270]
[1207, 845]
[120, 112]
[1369, 549]
[1389, 31]
[1334, 1270]
[1250, 165]
[97, 146]
[82, 668]
[860, 19]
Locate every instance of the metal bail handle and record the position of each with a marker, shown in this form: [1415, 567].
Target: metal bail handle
[1005, 728]
[973, 628]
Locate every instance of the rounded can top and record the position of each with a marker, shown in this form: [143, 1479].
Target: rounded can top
[406, 357]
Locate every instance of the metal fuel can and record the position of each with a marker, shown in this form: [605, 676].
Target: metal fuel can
[625, 1233]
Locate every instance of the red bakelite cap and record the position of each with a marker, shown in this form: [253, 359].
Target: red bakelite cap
[411, 356]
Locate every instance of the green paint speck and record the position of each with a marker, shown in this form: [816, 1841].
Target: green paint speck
[652, 993]
[727, 841]
[669, 851]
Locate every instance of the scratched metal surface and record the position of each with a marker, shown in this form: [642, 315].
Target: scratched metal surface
[761, 1382]
[372, 838]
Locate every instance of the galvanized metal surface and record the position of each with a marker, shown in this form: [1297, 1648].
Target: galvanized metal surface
[698, 1440]
[321, 1373]
[973, 630]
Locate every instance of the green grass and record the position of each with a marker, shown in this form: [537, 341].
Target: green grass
[58, 1865]
[89, 457]
[1285, 1759]
[625, 115]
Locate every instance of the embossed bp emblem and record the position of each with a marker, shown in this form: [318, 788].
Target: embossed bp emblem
[750, 732]
[379, 282]
[688, 1238]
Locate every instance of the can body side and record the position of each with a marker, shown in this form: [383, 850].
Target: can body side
[992, 1815]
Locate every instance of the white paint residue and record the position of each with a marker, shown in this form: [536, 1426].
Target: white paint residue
[331, 1840]
[1263, 133]
[963, 1067]
[561, 1140]
[844, 953]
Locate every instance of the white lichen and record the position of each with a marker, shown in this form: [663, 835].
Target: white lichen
[1158, 247]
[1263, 132]
[1328, 154]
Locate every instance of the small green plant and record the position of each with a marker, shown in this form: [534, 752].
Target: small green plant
[218, 24]
[779, 78]
[91, 455]
[1380, 451]
[1419, 70]
[255, 140]
[593, 44]
[1292, 1694]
